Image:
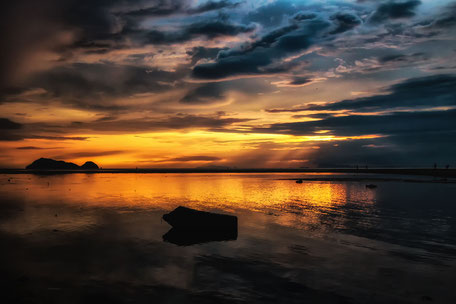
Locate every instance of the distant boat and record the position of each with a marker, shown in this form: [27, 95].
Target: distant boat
[371, 186]
[299, 181]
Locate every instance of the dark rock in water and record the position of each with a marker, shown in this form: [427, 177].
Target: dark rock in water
[371, 186]
[182, 237]
[51, 164]
[299, 181]
[187, 219]
[195, 227]
[90, 166]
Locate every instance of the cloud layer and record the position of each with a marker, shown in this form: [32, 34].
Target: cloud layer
[78, 70]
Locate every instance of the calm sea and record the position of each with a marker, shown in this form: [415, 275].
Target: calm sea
[98, 238]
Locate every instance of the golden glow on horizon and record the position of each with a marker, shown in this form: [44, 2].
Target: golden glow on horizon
[112, 144]
[161, 149]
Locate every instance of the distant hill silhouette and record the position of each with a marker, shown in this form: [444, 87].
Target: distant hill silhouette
[52, 164]
[90, 165]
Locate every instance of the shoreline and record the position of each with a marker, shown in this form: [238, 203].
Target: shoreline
[443, 173]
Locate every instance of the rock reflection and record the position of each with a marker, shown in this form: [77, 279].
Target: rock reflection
[186, 238]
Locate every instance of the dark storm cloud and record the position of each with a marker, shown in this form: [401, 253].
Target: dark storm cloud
[204, 94]
[6, 136]
[208, 29]
[58, 138]
[300, 81]
[304, 16]
[95, 85]
[34, 148]
[263, 55]
[213, 92]
[423, 92]
[213, 29]
[115, 20]
[6, 124]
[429, 91]
[92, 20]
[390, 124]
[214, 5]
[411, 139]
[200, 52]
[395, 10]
[107, 118]
[170, 7]
[157, 8]
[8, 130]
[345, 22]
[448, 18]
[258, 57]
[131, 30]
[399, 58]
[289, 110]
[317, 115]
[102, 26]
[266, 41]
[174, 122]
[25, 28]
[411, 150]
[29, 28]
[445, 20]
[96, 27]
[192, 121]
[296, 81]
[12, 131]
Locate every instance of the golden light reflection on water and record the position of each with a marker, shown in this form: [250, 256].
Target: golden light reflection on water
[219, 191]
[292, 204]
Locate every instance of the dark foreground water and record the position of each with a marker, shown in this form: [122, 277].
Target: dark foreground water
[82, 238]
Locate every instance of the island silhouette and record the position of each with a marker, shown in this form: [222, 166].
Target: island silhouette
[52, 164]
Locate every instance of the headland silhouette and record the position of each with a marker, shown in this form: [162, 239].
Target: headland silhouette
[52, 164]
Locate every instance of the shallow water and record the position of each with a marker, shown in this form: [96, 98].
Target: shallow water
[96, 238]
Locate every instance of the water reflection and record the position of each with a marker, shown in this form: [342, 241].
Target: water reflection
[295, 205]
[99, 238]
[183, 237]
[219, 191]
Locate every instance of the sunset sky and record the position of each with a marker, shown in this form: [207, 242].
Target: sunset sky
[168, 83]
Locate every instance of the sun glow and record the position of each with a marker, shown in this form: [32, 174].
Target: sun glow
[162, 149]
